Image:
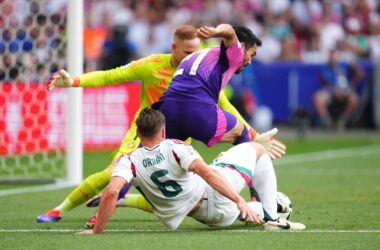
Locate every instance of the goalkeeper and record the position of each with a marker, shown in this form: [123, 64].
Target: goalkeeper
[155, 73]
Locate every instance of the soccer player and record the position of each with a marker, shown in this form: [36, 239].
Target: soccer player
[190, 103]
[178, 183]
[155, 73]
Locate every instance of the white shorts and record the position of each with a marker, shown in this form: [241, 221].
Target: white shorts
[236, 165]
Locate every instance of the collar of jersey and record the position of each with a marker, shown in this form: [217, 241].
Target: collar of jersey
[152, 149]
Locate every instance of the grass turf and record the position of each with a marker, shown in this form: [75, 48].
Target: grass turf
[328, 195]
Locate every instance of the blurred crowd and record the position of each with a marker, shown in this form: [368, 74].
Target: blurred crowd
[118, 31]
[296, 30]
[32, 40]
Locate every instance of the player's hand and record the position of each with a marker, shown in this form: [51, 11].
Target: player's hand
[275, 148]
[205, 32]
[86, 232]
[60, 79]
[246, 213]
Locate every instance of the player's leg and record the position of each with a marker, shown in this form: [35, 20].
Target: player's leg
[252, 161]
[92, 185]
[265, 182]
[240, 155]
[204, 122]
[237, 166]
[124, 200]
[135, 200]
[321, 100]
[235, 132]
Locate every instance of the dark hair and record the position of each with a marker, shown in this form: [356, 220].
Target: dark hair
[149, 122]
[246, 36]
[185, 32]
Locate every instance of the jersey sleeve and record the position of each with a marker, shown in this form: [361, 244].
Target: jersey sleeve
[232, 55]
[124, 169]
[225, 104]
[184, 154]
[131, 72]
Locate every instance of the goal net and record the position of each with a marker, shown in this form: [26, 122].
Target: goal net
[33, 129]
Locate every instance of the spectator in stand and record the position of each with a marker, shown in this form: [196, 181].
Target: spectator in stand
[374, 39]
[285, 25]
[93, 38]
[312, 53]
[117, 50]
[271, 48]
[338, 82]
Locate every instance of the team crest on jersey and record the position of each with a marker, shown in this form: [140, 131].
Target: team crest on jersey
[131, 145]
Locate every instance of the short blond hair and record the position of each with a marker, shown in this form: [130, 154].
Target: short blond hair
[185, 32]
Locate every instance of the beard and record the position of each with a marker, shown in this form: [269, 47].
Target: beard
[240, 69]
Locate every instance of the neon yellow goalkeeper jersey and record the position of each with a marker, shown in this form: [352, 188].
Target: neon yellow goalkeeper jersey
[155, 73]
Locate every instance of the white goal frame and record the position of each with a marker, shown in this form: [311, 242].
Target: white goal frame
[74, 147]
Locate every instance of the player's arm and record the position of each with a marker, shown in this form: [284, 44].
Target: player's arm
[222, 186]
[121, 175]
[132, 71]
[107, 204]
[224, 31]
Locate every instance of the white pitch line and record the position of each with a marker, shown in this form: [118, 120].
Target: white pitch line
[329, 154]
[24, 190]
[291, 159]
[189, 230]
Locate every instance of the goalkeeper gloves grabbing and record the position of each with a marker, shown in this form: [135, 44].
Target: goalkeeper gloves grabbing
[62, 79]
[275, 148]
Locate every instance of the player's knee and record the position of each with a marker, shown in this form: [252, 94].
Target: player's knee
[110, 168]
[259, 148]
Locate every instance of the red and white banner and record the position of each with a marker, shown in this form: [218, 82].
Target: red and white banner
[34, 120]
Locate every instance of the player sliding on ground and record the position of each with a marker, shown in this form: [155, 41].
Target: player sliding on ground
[178, 183]
[155, 73]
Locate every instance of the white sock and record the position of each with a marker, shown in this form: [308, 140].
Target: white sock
[265, 183]
[257, 208]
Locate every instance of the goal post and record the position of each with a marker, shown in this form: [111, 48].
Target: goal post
[74, 146]
[40, 131]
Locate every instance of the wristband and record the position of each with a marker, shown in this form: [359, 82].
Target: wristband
[76, 81]
[252, 133]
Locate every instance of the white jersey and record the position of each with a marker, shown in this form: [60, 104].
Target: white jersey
[161, 175]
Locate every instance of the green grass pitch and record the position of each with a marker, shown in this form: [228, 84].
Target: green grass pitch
[335, 193]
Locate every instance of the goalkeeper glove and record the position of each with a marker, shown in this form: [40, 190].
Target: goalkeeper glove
[62, 79]
[275, 148]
